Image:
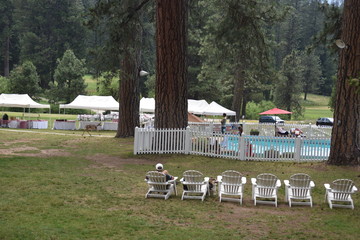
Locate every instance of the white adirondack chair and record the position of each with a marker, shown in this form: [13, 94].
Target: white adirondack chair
[265, 187]
[158, 186]
[340, 192]
[231, 187]
[195, 185]
[299, 188]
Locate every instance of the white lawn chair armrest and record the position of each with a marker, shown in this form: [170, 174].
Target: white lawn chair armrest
[243, 180]
[206, 179]
[173, 180]
[354, 189]
[219, 178]
[253, 181]
[182, 180]
[312, 184]
[287, 183]
[327, 186]
[278, 183]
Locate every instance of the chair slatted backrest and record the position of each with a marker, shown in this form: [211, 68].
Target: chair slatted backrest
[266, 184]
[193, 180]
[300, 184]
[342, 188]
[231, 181]
[157, 180]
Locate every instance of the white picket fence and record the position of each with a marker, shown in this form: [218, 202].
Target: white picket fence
[265, 129]
[214, 144]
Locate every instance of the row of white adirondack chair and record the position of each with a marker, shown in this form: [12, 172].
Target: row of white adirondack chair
[264, 188]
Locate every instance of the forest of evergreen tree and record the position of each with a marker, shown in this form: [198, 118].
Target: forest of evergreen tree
[238, 51]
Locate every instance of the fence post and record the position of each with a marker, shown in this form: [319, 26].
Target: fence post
[297, 149]
[187, 140]
[242, 148]
[136, 138]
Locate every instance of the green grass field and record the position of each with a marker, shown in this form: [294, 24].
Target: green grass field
[91, 85]
[74, 187]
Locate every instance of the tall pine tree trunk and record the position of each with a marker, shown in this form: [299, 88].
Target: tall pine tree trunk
[238, 99]
[171, 69]
[345, 141]
[7, 57]
[129, 95]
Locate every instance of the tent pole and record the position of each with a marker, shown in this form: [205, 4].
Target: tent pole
[50, 118]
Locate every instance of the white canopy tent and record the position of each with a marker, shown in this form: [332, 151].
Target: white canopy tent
[194, 106]
[197, 106]
[93, 102]
[147, 105]
[20, 101]
[216, 109]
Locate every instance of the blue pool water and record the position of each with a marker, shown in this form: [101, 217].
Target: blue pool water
[308, 147]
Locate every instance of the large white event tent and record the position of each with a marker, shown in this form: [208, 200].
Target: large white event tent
[200, 107]
[216, 109]
[147, 105]
[20, 101]
[197, 106]
[93, 102]
[194, 106]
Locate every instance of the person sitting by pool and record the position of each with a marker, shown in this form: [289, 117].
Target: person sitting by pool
[296, 132]
[281, 132]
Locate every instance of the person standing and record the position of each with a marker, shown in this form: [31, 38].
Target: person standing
[240, 129]
[5, 119]
[223, 123]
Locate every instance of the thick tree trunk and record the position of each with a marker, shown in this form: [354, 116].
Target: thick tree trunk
[238, 99]
[129, 95]
[7, 57]
[345, 141]
[171, 69]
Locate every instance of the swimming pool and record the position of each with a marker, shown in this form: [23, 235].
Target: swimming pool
[308, 148]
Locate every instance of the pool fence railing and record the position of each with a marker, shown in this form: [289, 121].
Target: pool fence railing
[215, 144]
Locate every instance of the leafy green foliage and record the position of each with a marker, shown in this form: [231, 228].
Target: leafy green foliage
[311, 73]
[289, 87]
[108, 84]
[253, 109]
[24, 80]
[4, 82]
[46, 29]
[68, 78]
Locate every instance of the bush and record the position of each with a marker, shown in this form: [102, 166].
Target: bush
[253, 109]
[254, 132]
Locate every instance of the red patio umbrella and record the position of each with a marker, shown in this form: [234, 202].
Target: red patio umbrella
[275, 111]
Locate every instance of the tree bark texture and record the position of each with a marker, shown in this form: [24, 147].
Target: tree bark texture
[129, 95]
[7, 57]
[171, 69]
[239, 85]
[345, 141]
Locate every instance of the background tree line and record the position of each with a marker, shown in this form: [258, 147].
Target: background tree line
[244, 54]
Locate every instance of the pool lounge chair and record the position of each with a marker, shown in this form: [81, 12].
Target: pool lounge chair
[280, 132]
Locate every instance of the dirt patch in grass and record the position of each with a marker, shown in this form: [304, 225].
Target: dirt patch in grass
[33, 152]
[8, 143]
[115, 161]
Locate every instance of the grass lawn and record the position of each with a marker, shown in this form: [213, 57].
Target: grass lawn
[73, 187]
